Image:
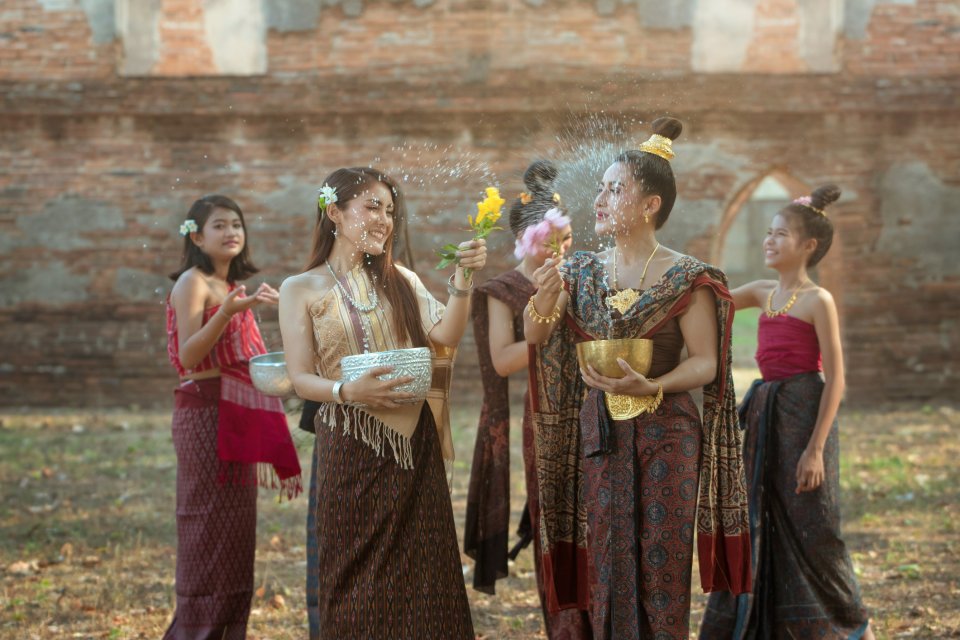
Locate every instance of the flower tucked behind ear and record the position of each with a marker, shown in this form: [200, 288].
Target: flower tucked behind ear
[328, 195]
[189, 226]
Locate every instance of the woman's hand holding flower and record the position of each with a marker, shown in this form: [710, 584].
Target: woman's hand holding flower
[488, 212]
[472, 255]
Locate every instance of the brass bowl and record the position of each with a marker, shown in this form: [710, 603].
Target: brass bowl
[269, 374]
[602, 355]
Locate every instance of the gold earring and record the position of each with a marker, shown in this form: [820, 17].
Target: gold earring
[646, 217]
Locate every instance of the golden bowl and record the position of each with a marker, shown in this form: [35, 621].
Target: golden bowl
[602, 355]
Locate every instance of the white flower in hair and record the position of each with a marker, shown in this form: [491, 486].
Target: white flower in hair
[328, 195]
[188, 226]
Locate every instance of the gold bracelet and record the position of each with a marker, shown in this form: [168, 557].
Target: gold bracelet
[535, 315]
[658, 399]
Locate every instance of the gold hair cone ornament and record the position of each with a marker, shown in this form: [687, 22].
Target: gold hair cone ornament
[660, 146]
[602, 356]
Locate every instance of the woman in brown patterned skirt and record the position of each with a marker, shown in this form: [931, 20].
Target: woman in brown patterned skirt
[388, 562]
[498, 330]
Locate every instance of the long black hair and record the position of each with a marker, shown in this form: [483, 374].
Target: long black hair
[241, 267]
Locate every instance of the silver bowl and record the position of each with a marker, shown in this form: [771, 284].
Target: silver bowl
[415, 362]
[269, 373]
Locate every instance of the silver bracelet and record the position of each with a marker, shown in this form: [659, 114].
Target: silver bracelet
[460, 293]
[336, 392]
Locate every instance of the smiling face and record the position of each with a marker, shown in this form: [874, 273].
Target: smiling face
[222, 236]
[366, 221]
[784, 246]
[621, 203]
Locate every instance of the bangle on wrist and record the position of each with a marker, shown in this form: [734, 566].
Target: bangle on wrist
[454, 291]
[659, 397]
[337, 386]
[535, 315]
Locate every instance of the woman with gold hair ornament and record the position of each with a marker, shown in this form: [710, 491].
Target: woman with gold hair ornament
[539, 222]
[803, 580]
[637, 465]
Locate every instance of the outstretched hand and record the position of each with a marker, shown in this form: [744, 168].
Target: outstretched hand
[237, 301]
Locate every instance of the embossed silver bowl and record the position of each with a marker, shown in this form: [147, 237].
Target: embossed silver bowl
[269, 373]
[415, 362]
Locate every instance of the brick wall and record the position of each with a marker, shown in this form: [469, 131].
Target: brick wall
[98, 168]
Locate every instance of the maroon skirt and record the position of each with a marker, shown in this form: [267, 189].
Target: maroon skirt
[216, 526]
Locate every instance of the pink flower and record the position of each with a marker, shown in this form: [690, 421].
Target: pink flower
[532, 239]
[804, 200]
[556, 219]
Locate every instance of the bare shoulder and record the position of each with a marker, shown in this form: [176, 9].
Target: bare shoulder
[823, 298]
[307, 286]
[191, 284]
[761, 286]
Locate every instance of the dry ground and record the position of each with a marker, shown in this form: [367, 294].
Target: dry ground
[87, 529]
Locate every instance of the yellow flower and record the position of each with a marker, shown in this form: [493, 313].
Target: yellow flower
[481, 214]
[494, 199]
[488, 211]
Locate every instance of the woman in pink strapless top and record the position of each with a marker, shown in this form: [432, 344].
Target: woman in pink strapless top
[803, 580]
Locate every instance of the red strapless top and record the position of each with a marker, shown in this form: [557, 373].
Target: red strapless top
[240, 341]
[786, 346]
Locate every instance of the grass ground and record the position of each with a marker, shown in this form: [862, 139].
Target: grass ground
[87, 529]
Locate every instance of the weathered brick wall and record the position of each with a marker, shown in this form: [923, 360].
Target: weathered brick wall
[98, 165]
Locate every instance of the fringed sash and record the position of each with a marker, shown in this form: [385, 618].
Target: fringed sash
[367, 428]
[340, 329]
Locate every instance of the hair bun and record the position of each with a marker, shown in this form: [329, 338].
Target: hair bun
[667, 127]
[540, 176]
[825, 195]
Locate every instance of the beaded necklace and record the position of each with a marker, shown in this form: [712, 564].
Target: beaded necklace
[359, 306]
[364, 309]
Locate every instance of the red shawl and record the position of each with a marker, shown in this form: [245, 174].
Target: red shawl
[251, 427]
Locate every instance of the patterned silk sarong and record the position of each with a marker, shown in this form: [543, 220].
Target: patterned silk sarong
[804, 584]
[216, 525]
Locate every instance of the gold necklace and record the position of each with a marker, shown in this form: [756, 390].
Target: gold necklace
[769, 310]
[623, 300]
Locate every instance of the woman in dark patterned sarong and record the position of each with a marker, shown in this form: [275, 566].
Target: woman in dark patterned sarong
[498, 330]
[228, 436]
[388, 565]
[804, 585]
[622, 458]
